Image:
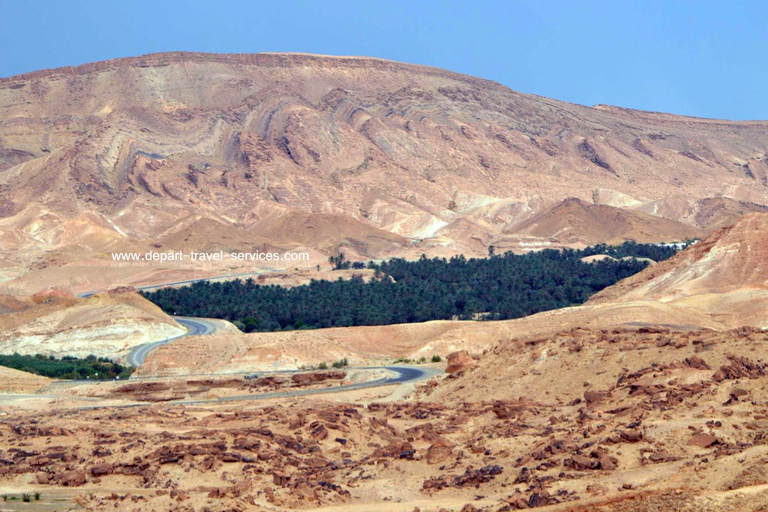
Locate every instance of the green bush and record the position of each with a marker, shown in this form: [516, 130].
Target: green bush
[436, 358]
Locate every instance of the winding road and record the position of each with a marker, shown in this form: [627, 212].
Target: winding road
[194, 326]
[402, 375]
[202, 326]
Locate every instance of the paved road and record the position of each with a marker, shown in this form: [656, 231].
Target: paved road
[402, 375]
[194, 326]
[201, 326]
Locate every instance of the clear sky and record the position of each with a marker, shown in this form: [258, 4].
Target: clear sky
[690, 57]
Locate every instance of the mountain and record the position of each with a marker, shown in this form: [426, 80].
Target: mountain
[724, 275]
[136, 153]
[574, 221]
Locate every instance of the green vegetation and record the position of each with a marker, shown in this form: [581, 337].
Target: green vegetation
[436, 358]
[341, 363]
[495, 288]
[339, 262]
[25, 497]
[67, 367]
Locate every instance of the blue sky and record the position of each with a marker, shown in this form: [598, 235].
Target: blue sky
[702, 58]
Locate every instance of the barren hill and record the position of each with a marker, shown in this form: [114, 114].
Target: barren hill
[106, 324]
[16, 381]
[574, 221]
[725, 275]
[124, 154]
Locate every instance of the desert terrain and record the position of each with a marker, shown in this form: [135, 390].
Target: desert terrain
[319, 154]
[653, 395]
[645, 398]
[107, 324]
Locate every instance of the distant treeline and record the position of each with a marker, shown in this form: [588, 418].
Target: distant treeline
[495, 288]
[67, 367]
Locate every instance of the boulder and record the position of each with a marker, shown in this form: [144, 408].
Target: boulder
[438, 452]
[458, 361]
[393, 450]
[74, 478]
[594, 397]
[703, 440]
[101, 470]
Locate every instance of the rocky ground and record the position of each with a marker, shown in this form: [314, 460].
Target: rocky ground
[648, 398]
[662, 419]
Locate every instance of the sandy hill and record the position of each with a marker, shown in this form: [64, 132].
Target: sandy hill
[15, 381]
[106, 324]
[114, 155]
[574, 220]
[725, 275]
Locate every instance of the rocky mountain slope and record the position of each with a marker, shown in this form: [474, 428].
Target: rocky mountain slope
[136, 153]
[104, 325]
[725, 275]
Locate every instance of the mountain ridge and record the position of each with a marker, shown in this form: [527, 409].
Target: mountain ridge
[130, 149]
[260, 59]
[286, 59]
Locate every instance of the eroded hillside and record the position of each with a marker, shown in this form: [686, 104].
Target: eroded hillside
[344, 154]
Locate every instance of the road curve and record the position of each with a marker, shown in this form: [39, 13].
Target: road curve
[201, 326]
[194, 326]
[402, 375]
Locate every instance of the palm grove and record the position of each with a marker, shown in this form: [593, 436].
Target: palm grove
[400, 291]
